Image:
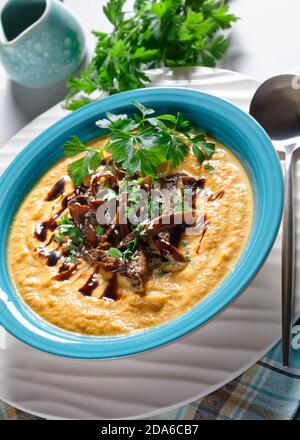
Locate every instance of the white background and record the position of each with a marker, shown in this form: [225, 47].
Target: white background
[265, 42]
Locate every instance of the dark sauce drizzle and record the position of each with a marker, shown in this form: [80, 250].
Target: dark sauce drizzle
[57, 190]
[50, 224]
[91, 284]
[42, 229]
[52, 257]
[203, 232]
[110, 293]
[66, 272]
[219, 195]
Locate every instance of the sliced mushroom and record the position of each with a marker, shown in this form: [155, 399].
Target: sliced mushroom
[168, 251]
[78, 212]
[137, 270]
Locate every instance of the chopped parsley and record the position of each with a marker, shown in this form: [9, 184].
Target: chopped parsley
[71, 259]
[207, 166]
[65, 228]
[72, 237]
[99, 230]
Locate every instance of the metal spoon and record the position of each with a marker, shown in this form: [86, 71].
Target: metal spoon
[276, 106]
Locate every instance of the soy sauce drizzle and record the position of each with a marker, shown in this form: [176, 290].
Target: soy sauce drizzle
[57, 190]
[203, 232]
[110, 292]
[64, 205]
[51, 256]
[66, 272]
[201, 238]
[219, 195]
[42, 229]
[50, 225]
[91, 284]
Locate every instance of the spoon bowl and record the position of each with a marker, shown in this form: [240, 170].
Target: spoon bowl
[276, 106]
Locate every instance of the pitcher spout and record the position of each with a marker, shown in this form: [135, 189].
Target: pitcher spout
[19, 16]
[42, 43]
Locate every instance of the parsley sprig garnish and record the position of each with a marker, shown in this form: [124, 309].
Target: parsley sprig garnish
[141, 144]
[144, 142]
[158, 33]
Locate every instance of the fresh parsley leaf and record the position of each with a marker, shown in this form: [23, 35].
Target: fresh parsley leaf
[114, 121]
[80, 169]
[144, 110]
[148, 144]
[113, 11]
[75, 234]
[170, 118]
[177, 150]
[202, 149]
[146, 161]
[76, 104]
[198, 153]
[217, 47]
[182, 124]
[74, 146]
[71, 246]
[208, 148]
[144, 55]
[223, 18]
[136, 147]
[115, 253]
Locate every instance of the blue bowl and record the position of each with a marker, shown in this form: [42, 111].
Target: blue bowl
[221, 120]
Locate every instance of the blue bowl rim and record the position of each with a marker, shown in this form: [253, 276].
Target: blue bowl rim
[91, 347]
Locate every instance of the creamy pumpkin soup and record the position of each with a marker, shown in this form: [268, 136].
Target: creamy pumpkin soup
[134, 230]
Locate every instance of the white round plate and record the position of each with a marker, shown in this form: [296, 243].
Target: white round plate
[161, 380]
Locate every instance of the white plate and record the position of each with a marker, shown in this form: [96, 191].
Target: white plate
[161, 380]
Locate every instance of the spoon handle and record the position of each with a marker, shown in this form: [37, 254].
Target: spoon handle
[288, 261]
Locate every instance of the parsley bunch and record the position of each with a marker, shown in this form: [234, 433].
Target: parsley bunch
[158, 33]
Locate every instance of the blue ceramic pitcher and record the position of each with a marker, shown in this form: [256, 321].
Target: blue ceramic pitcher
[41, 42]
